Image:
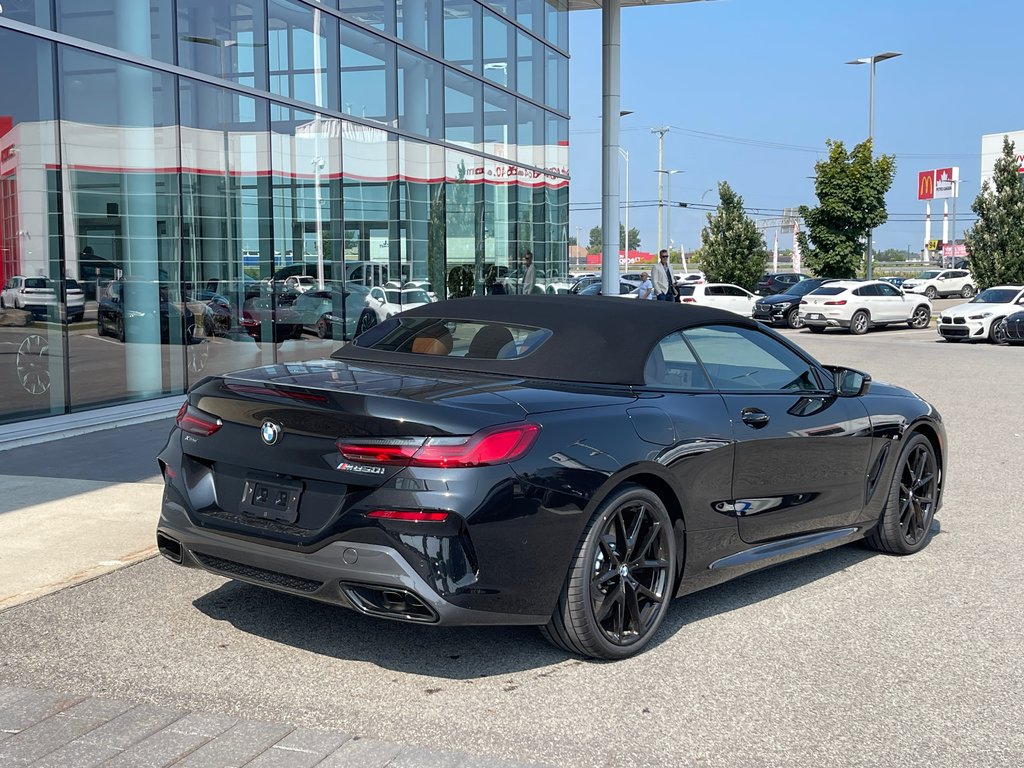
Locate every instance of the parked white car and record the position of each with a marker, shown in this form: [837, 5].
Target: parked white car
[391, 299]
[721, 295]
[941, 282]
[982, 317]
[862, 304]
[37, 294]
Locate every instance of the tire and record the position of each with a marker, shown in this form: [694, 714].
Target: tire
[793, 319]
[859, 323]
[323, 329]
[921, 317]
[816, 328]
[120, 330]
[951, 339]
[2, 305]
[611, 605]
[366, 321]
[997, 331]
[906, 519]
[967, 291]
[930, 292]
[78, 318]
[100, 330]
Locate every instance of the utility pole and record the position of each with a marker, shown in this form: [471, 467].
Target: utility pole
[661, 145]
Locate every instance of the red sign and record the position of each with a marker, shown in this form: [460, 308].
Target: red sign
[926, 185]
[958, 251]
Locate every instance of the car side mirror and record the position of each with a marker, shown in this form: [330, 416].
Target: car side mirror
[849, 382]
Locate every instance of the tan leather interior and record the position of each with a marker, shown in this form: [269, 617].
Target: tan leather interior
[429, 346]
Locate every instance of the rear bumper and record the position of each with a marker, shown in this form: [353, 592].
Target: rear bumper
[826, 322]
[371, 579]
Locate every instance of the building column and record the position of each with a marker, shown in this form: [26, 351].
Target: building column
[610, 104]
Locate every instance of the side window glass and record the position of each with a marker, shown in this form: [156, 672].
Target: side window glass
[887, 290]
[671, 365]
[747, 359]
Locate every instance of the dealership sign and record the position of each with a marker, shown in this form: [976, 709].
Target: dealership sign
[938, 184]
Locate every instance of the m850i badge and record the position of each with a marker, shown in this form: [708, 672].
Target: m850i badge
[361, 468]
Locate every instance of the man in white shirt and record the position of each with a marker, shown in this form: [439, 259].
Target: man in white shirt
[645, 291]
[661, 276]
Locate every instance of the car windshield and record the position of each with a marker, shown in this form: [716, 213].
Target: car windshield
[686, 290]
[928, 274]
[37, 282]
[996, 296]
[407, 297]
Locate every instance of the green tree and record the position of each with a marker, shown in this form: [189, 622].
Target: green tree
[732, 250]
[995, 244]
[595, 244]
[634, 238]
[851, 191]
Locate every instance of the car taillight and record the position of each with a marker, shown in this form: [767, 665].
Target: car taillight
[409, 515]
[839, 303]
[196, 422]
[689, 300]
[494, 445]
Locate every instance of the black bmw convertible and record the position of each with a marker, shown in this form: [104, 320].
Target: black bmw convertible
[562, 461]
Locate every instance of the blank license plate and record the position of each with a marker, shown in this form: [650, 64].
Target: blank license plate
[271, 501]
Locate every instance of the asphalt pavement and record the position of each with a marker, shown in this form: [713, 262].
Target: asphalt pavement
[846, 658]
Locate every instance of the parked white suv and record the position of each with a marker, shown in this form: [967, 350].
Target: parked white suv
[721, 295]
[982, 317]
[941, 282]
[862, 304]
[37, 294]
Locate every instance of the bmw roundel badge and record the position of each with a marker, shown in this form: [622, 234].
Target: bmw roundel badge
[270, 432]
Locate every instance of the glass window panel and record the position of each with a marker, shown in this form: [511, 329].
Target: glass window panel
[463, 98]
[305, 153]
[367, 75]
[499, 123]
[420, 97]
[34, 12]
[499, 226]
[530, 13]
[529, 66]
[32, 377]
[557, 155]
[498, 42]
[530, 134]
[462, 33]
[227, 40]
[507, 7]
[370, 190]
[302, 44]
[463, 235]
[119, 132]
[422, 172]
[531, 218]
[557, 69]
[419, 24]
[556, 27]
[142, 28]
[379, 14]
[226, 242]
[557, 193]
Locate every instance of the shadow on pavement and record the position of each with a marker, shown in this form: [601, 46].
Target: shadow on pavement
[460, 653]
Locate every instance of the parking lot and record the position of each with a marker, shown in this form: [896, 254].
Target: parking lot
[847, 658]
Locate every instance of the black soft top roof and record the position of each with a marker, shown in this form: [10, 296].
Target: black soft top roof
[594, 339]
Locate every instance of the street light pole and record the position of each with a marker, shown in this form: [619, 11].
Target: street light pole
[625, 156]
[872, 60]
[668, 214]
[661, 145]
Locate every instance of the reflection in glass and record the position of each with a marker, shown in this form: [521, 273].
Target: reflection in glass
[462, 33]
[423, 247]
[499, 123]
[498, 42]
[463, 97]
[31, 305]
[463, 236]
[303, 47]
[118, 135]
[144, 29]
[556, 27]
[420, 107]
[227, 40]
[557, 81]
[367, 75]
[379, 14]
[419, 24]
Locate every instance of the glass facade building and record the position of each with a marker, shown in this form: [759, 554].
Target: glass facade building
[189, 187]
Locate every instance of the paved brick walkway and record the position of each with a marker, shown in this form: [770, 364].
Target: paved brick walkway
[44, 729]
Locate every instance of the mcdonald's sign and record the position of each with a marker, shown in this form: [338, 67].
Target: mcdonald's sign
[926, 185]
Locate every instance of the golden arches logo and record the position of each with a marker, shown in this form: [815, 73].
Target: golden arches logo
[926, 185]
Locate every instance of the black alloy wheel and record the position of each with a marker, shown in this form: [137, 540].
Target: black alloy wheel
[859, 323]
[620, 582]
[100, 329]
[323, 328]
[997, 332]
[921, 317]
[366, 321]
[119, 331]
[793, 319]
[907, 518]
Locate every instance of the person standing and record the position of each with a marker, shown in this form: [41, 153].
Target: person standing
[529, 276]
[645, 291]
[664, 286]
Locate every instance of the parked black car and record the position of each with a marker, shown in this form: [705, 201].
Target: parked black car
[1013, 328]
[778, 282]
[124, 311]
[563, 461]
[782, 308]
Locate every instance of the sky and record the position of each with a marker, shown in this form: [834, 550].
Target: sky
[751, 89]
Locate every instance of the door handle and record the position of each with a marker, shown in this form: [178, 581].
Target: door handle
[755, 417]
